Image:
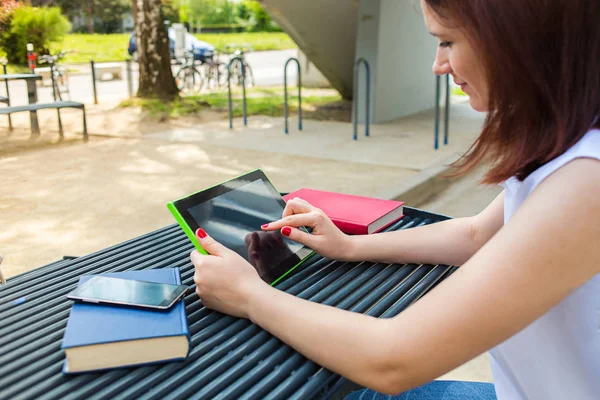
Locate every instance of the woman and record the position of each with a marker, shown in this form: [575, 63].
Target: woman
[528, 288]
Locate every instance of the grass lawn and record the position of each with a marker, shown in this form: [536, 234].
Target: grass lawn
[260, 101]
[82, 47]
[258, 40]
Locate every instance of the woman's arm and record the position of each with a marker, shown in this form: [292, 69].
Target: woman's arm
[545, 251]
[450, 242]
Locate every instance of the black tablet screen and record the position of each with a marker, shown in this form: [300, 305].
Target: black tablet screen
[233, 214]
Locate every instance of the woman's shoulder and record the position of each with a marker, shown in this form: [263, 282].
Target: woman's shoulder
[588, 147]
[580, 164]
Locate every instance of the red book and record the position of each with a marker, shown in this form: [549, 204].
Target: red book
[355, 215]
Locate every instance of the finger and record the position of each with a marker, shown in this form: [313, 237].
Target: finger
[199, 260]
[300, 200]
[296, 206]
[196, 258]
[297, 220]
[211, 246]
[299, 236]
[307, 204]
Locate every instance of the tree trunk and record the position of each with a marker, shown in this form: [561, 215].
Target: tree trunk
[156, 77]
[90, 17]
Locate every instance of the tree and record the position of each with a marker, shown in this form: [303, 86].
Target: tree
[209, 12]
[109, 12]
[171, 10]
[156, 77]
[257, 19]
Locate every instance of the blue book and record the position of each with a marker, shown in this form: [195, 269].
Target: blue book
[102, 337]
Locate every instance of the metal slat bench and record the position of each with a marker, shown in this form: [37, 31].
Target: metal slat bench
[57, 105]
[230, 358]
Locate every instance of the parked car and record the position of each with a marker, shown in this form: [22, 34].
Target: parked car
[201, 50]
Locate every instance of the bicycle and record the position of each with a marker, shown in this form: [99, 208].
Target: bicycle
[236, 67]
[188, 78]
[58, 74]
[215, 73]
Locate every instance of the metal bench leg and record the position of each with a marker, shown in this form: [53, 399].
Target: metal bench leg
[10, 125]
[85, 133]
[33, 117]
[60, 127]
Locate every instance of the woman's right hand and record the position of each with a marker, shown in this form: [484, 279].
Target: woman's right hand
[326, 238]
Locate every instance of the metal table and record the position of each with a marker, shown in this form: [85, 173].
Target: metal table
[230, 358]
[30, 79]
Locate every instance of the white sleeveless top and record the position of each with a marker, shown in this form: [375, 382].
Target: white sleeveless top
[558, 355]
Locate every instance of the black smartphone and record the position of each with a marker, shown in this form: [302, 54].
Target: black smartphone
[128, 293]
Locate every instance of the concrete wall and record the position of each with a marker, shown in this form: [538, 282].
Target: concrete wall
[311, 76]
[406, 54]
[367, 47]
[393, 38]
[325, 30]
[389, 34]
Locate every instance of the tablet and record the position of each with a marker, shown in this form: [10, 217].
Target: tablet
[128, 292]
[232, 213]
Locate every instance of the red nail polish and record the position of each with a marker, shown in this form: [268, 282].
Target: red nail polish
[264, 226]
[200, 233]
[286, 231]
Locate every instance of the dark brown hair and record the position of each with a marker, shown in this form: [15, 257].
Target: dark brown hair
[542, 60]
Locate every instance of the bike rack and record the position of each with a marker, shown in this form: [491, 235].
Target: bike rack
[241, 61]
[54, 94]
[129, 77]
[355, 99]
[52, 80]
[10, 125]
[285, 91]
[437, 112]
[94, 82]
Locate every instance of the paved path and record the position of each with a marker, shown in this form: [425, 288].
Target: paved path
[82, 195]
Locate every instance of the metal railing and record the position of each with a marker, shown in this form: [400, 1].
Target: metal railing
[55, 92]
[437, 111]
[243, 77]
[93, 67]
[355, 99]
[285, 91]
[129, 77]
[10, 125]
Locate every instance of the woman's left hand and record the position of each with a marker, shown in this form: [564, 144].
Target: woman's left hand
[224, 280]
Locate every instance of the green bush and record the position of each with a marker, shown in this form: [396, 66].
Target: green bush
[39, 26]
[257, 19]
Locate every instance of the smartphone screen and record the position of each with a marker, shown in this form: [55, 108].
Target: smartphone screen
[127, 292]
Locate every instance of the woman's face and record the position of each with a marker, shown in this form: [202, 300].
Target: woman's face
[456, 56]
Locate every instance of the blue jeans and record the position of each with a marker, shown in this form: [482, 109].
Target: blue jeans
[436, 390]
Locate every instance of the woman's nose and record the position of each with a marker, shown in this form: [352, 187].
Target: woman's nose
[441, 65]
